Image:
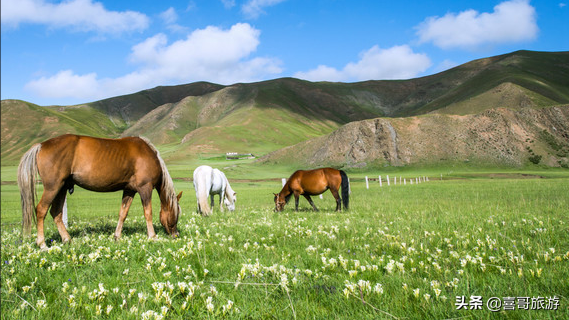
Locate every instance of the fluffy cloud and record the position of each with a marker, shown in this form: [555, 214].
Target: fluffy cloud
[210, 54]
[83, 15]
[254, 8]
[512, 21]
[398, 62]
[65, 84]
[169, 16]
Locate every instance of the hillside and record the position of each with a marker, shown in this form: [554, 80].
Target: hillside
[494, 137]
[24, 124]
[193, 119]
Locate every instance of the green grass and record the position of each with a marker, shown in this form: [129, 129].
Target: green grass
[477, 233]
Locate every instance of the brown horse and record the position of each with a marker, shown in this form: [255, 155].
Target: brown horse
[312, 183]
[130, 164]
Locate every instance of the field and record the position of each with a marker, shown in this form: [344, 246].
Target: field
[445, 248]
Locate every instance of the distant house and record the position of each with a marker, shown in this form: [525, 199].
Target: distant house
[238, 156]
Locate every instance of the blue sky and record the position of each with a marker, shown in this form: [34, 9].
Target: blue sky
[77, 51]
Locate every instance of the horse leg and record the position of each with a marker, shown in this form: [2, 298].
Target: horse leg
[45, 202]
[146, 198]
[296, 196]
[127, 197]
[337, 197]
[310, 201]
[221, 196]
[212, 201]
[56, 212]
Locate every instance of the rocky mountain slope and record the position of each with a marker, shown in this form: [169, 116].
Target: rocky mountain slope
[494, 137]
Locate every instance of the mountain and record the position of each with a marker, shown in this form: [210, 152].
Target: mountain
[205, 118]
[493, 137]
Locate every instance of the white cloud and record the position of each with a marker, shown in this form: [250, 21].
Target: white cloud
[398, 62]
[254, 8]
[82, 15]
[169, 16]
[512, 21]
[210, 54]
[65, 84]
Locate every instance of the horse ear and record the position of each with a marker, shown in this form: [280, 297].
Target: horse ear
[179, 195]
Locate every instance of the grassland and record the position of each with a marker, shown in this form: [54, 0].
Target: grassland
[400, 252]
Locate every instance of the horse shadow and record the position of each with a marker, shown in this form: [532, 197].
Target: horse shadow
[103, 228]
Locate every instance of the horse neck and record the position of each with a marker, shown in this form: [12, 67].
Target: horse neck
[228, 191]
[285, 191]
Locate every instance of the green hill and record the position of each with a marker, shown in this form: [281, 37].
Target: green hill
[205, 118]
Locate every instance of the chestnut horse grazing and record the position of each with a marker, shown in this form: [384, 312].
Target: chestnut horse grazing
[130, 164]
[312, 183]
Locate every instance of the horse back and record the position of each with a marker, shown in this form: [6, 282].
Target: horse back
[103, 164]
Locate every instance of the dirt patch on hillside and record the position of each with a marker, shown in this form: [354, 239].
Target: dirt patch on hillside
[496, 136]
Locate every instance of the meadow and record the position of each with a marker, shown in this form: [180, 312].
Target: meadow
[443, 249]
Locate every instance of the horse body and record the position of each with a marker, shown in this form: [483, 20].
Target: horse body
[130, 164]
[209, 182]
[311, 183]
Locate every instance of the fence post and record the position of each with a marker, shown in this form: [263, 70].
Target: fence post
[284, 181]
[380, 184]
[367, 183]
[388, 181]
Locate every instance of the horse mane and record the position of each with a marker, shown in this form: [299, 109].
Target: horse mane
[228, 190]
[167, 186]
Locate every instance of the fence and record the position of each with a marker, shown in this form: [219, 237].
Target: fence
[416, 180]
[403, 181]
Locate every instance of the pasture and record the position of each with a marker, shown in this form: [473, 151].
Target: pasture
[421, 251]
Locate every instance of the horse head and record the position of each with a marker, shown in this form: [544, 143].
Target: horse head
[279, 202]
[230, 203]
[169, 216]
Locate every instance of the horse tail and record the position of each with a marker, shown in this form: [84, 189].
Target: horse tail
[202, 185]
[27, 178]
[201, 194]
[345, 189]
[167, 185]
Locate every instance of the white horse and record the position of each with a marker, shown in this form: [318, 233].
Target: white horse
[209, 182]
